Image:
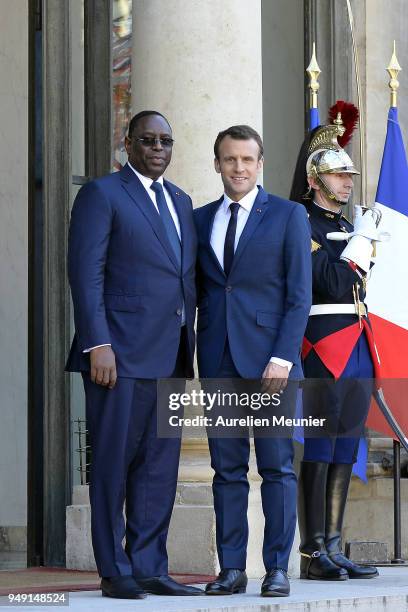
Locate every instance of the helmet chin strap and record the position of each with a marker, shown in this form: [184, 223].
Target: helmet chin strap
[327, 191]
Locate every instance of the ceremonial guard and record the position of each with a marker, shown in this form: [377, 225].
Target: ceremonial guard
[338, 343]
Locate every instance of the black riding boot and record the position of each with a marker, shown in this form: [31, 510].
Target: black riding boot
[315, 563]
[338, 480]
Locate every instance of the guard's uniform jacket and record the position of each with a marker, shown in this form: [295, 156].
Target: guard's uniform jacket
[332, 337]
[337, 345]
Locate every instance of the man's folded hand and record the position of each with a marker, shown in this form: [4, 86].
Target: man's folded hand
[103, 366]
[274, 378]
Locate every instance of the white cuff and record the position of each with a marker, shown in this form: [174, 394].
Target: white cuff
[281, 362]
[88, 350]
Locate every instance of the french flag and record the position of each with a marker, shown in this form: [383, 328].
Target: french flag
[387, 289]
[314, 119]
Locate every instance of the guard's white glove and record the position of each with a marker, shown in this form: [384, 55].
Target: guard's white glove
[365, 224]
[359, 249]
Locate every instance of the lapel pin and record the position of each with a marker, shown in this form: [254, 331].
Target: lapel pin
[259, 210]
[177, 193]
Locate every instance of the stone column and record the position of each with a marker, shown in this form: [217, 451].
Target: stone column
[14, 244]
[200, 64]
[57, 200]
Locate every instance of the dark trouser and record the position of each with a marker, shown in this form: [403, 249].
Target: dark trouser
[229, 459]
[130, 464]
[346, 404]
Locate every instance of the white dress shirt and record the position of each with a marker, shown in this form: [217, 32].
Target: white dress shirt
[219, 230]
[147, 183]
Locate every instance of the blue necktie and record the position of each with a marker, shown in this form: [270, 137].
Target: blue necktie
[167, 219]
[230, 237]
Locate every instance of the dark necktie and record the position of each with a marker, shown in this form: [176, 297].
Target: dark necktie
[230, 237]
[167, 219]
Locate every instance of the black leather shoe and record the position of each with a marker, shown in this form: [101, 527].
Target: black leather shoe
[121, 587]
[353, 570]
[275, 584]
[164, 585]
[319, 566]
[228, 582]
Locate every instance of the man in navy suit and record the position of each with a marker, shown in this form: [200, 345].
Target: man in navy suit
[131, 260]
[254, 279]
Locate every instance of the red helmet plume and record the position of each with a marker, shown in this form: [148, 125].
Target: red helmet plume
[349, 115]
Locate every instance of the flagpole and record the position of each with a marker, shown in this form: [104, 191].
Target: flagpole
[393, 70]
[313, 71]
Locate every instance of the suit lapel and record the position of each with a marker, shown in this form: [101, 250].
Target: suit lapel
[255, 217]
[138, 193]
[210, 223]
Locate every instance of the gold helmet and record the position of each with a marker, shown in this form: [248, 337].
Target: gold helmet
[326, 156]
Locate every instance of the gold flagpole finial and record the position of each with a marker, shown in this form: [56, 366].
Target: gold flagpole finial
[393, 69]
[313, 71]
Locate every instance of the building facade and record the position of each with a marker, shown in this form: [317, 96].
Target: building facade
[71, 75]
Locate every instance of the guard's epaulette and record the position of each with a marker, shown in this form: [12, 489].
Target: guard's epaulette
[315, 246]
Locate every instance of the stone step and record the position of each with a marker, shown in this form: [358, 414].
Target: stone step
[387, 593]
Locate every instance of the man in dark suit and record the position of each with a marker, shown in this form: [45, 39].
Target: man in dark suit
[254, 279]
[131, 259]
